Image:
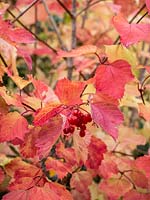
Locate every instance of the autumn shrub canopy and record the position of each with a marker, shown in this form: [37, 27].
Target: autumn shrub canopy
[74, 100]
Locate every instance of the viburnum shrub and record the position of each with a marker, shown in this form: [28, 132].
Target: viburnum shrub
[74, 100]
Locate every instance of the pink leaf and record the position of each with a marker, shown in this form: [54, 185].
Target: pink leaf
[131, 33]
[105, 113]
[111, 78]
[48, 136]
[96, 150]
[134, 194]
[148, 5]
[115, 188]
[143, 163]
[20, 35]
[13, 126]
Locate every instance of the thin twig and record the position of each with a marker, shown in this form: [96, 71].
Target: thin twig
[141, 17]
[22, 13]
[66, 9]
[136, 14]
[87, 7]
[25, 27]
[54, 25]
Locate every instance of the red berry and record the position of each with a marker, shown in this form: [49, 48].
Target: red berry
[82, 127]
[71, 129]
[76, 112]
[66, 130]
[87, 118]
[82, 133]
[73, 120]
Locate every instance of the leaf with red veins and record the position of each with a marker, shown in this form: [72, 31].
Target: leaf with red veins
[69, 92]
[108, 168]
[48, 136]
[111, 78]
[148, 5]
[28, 148]
[40, 88]
[81, 146]
[66, 153]
[143, 164]
[60, 168]
[11, 34]
[134, 194]
[96, 149]
[13, 126]
[49, 111]
[23, 174]
[85, 49]
[115, 188]
[80, 181]
[20, 35]
[50, 191]
[105, 113]
[139, 179]
[131, 33]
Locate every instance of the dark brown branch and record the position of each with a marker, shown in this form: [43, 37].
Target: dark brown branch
[22, 13]
[39, 39]
[3, 60]
[66, 9]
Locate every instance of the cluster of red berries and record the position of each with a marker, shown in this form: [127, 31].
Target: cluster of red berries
[79, 120]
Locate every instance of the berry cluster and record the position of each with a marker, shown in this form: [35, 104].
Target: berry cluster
[79, 120]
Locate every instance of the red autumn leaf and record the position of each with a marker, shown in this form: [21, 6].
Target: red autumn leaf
[43, 115]
[115, 188]
[86, 49]
[105, 113]
[11, 34]
[13, 126]
[48, 136]
[131, 33]
[143, 163]
[108, 168]
[50, 191]
[28, 148]
[81, 146]
[80, 182]
[60, 168]
[134, 194]
[40, 88]
[96, 149]
[69, 92]
[23, 174]
[20, 35]
[148, 5]
[139, 179]
[111, 78]
[66, 153]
